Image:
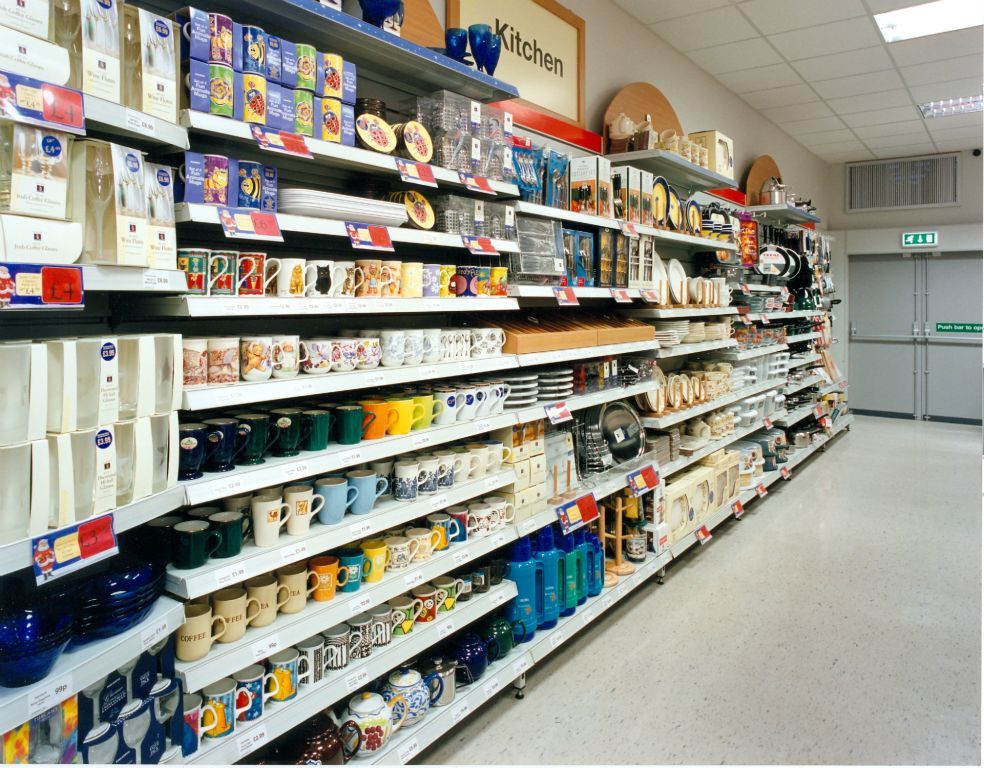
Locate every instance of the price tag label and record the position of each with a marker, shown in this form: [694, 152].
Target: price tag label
[703, 535]
[628, 228]
[375, 379]
[232, 574]
[155, 280]
[350, 457]
[461, 556]
[565, 296]
[621, 296]
[522, 664]
[767, 422]
[826, 424]
[247, 224]
[527, 526]
[48, 694]
[764, 319]
[761, 490]
[368, 237]
[650, 296]
[153, 635]
[413, 579]
[745, 290]
[606, 602]
[293, 553]
[745, 320]
[282, 142]
[298, 470]
[360, 529]
[439, 502]
[738, 509]
[558, 413]
[498, 598]
[786, 474]
[476, 183]
[359, 604]
[642, 480]
[415, 173]
[483, 426]
[498, 540]
[420, 441]
[356, 680]
[251, 741]
[408, 750]
[445, 629]
[491, 688]
[818, 411]
[266, 647]
[491, 483]
[460, 711]
[556, 639]
[587, 616]
[479, 246]
[621, 590]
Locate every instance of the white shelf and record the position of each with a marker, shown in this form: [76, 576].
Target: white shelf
[583, 353]
[103, 116]
[305, 385]
[755, 316]
[809, 381]
[755, 288]
[287, 629]
[106, 277]
[798, 337]
[748, 354]
[682, 462]
[661, 422]
[18, 554]
[81, 667]
[679, 172]
[797, 362]
[579, 402]
[678, 350]
[410, 741]
[667, 237]
[582, 292]
[668, 314]
[280, 717]
[255, 561]
[259, 306]
[784, 214]
[209, 214]
[572, 217]
[835, 387]
[327, 153]
[796, 416]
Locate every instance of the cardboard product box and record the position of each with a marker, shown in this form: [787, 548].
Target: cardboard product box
[546, 335]
[162, 241]
[288, 64]
[249, 98]
[83, 383]
[101, 70]
[336, 78]
[164, 436]
[584, 260]
[646, 197]
[32, 57]
[720, 151]
[125, 210]
[590, 185]
[154, 52]
[604, 257]
[522, 482]
[24, 392]
[538, 469]
[51, 737]
[274, 60]
[135, 453]
[82, 474]
[335, 121]
[39, 179]
[620, 330]
[24, 496]
[30, 16]
[628, 183]
[621, 260]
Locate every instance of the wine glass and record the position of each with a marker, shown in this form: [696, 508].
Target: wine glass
[131, 53]
[99, 189]
[68, 25]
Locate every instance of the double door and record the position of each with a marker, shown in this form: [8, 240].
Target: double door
[914, 350]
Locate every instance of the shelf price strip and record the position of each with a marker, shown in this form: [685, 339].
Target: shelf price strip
[415, 173]
[282, 142]
[703, 535]
[476, 183]
[479, 246]
[642, 480]
[247, 224]
[738, 509]
[42, 104]
[368, 237]
[565, 296]
[621, 296]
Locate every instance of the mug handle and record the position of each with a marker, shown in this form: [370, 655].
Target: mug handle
[201, 722]
[252, 601]
[316, 508]
[438, 409]
[418, 607]
[336, 282]
[222, 631]
[268, 278]
[455, 526]
[218, 542]
[404, 711]
[506, 516]
[366, 566]
[384, 489]
[241, 281]
[267, 679]
[350, 502]
[309, 284]
[392, 417]
[414, 549]
[282, 603]
[359, 275]
[459, 464]
[306, 433]
[471, 528]
[435, 541]
[460, 585]
[417, 413]
[441, 596]
[237, 711]
[339, 581]
[506, 454]
[384, 281]
[302, 676]
[366, 424]
[284, 518]
[216, 257]
[468, 674]
[476, 464]
[272, 434]
[317, 582]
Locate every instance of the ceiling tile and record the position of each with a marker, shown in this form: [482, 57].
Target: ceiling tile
[827, 38]
[805, 127]
[962, 42]
[844, 64]
[890, 129]
[941, 71]
[882, 6]
[895, 98]
[703, 30]
[951, 89]
[743, 54]
[772, 16]
[882, 116]
[777, 97]
[648, 11]
[827, 137]
[956, 145]
[797, 112]
[871, 82]
[757, 78]
[908, 150]
[884, 142]
[965, 132]
[836, 147]
[847, 157]
[955, 121]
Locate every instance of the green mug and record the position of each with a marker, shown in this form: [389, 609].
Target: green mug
[258, 433]
[348, 424]
[317, 423]
[290, 431]
[194, 544]
[233, 527]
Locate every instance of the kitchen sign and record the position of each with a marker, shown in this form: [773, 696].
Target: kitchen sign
[920, 239]
[542, 49]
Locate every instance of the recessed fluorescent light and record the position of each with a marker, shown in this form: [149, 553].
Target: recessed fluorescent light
[948, 107]
[930, 19]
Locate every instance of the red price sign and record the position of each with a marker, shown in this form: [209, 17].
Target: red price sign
[650, 296]
[738, 509]
[642, 480]
[621, 296]
[67, 549]
[416, 173]
[574, 514]
[767, 422]
[628, 228]
[476, 183]
[703, 535]
[745, 289]
[745, 320]
[280, 141]
[62, 107]
[761, 490]
[742, 309]
[25, 100]
[765, 319]
[479, 246]
[247, 224]
[786, 474]
[40, 286]
[369, 237]
[818, 411]
[558, 413]
[566, 297]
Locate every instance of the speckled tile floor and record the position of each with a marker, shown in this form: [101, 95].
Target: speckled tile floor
[838, 622]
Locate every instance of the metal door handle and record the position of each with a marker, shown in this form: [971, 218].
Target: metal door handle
[926, 329]
[854, 329]
[915, 329]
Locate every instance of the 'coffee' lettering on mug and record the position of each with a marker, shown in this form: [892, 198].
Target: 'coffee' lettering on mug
[192, 638]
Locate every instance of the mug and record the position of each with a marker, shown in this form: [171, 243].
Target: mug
[503, 511]
[194, 713]
[430, 597]
[338, 496]
[467, 403]
[223, 360]
[316, 424]
[368, 352]
[460, 515]
[431, 409]
[393, 286]
[446, 279]
[256, 358]
[215, 179]
[238, 503]
[249, 184]
[480, 463]
[300, 582]
[219, 713]
[448, 397]
[223, 434]
[312, 656]
[290, 431]
[253, 50]
[163, 532]
[271, 596]
[360, 637]
[234, 605]
[381, 625]
[430, 467]
[406, 478]
[251, 274]
[350, 279]
[499, 281]
[195, 450]
[380, 417]
[404, 614]
[289, 670]
[378, 556]
[287, 357]
[449, 467]
[465, 282]
[194, 543]
[194, 262]
[258, 435]
[413, 346]
[232, 528]
[354, 562]
[336, 647]
[426, 539]
[446, 527]
[222, 273]
[407, 412]
[220, 39]
[316, 356]
[370, 488]
[307, 67]
[432, 345]
[270, 514]
[344, 357]
[194, 355]
[325, 568]
[452, 588]
[486, 342]
[412, 280]
[431, 281]
[304, 505]
[350, 424]
[480, 519]
[320, 276]
[200, 629]
[375, 276]
[393, 348]
[253, 690]
[498, 453]
[400, 552]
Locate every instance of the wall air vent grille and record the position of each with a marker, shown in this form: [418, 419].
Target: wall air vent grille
[930, 181]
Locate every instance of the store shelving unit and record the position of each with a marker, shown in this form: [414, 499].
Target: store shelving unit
[131, 125]
[671, 166]
[796, 338]
[105, 277]
[263, 306]
[682, 462]
[796, 362]
[682, 350]
[797, 415]
[669, 419]
[750, 354]
[784, 214]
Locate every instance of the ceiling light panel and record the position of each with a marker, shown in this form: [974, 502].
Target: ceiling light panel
[929, 19]
[951, 107]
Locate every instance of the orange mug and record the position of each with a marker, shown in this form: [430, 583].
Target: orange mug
[381, 417]
[325, 567]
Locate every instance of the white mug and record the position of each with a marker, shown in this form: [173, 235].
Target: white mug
[498, 453]
[481, 453]
[348, 278]
[500, 391]
[449, 466]
[483, 399]
[468, 403]
[407, 477]
[287, 356]
[472, 466]
[394, 347]
[502, 511]
[432, 345]
[448, 344]
[255, 358]
[413, 350]
[304, 505]
[449, 398]
[320, 277]
[269, 514]
[482, 516]
[290, 279]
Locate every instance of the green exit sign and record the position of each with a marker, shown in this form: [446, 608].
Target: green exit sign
[919, 239]
[958, 327]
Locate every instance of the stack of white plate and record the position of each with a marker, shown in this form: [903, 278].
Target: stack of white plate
[696, 333]
[556, 384]
[329, 205]
[523, 390]
[716, 331]
[671, 332]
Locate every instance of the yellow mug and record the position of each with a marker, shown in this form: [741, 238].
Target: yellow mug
[377, 555]
[447, 274]
[412, 280]
[432, 409]
[407, 412]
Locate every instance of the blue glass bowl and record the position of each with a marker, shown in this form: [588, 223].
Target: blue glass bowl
[18, 671]
[109, 628]
[27, 627]
[125, 576]
[375, 12]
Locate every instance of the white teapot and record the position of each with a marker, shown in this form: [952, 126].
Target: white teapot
[374, 716]
[621, 127]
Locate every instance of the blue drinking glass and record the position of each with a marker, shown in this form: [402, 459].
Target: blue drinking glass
[478, 38]
[456, 42]
[375, 12]
[493, 53]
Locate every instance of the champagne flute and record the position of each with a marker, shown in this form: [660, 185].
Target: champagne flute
[99, 187]
[131, 53]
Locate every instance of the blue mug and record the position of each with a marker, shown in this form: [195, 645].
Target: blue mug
[370, 487]
[223, 434]
[353, 560]
[465, 281]
[339, 496]
[456, 42]
[254, 50]
[250, 184]
[195, 450]
[289, 669]
[253, 690]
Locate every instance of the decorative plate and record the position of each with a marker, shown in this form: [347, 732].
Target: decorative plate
[661, 201]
